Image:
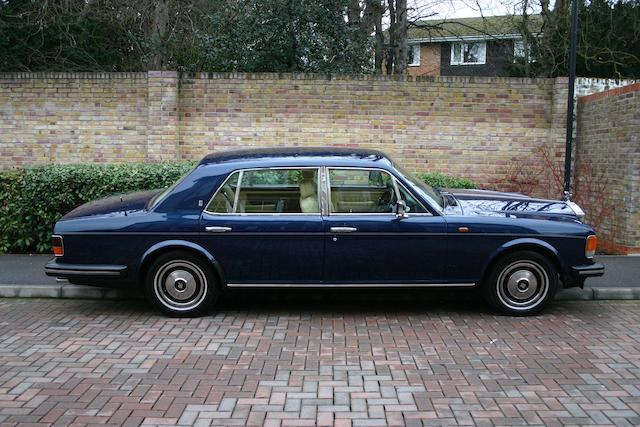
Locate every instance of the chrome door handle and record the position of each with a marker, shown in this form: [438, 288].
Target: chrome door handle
[217, 229]
[343, 229]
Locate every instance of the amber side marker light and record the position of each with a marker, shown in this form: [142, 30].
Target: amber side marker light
[57, 246]
[590, 247]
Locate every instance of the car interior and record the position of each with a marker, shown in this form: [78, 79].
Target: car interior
[296, 191]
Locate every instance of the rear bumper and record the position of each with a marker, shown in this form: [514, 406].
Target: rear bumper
[85, 271]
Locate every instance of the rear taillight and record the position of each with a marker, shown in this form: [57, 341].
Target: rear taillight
[57, 245]
[590, 246]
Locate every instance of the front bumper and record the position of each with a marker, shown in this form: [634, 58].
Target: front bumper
[589, 270]
[85, 271]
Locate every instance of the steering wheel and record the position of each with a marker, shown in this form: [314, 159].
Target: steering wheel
[385, 200]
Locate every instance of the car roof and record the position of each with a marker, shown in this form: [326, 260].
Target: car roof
[299, 156]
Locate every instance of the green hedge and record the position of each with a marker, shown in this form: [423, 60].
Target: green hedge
[33, 199]
[439, 180]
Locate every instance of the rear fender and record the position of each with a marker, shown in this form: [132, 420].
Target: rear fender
[168, 245]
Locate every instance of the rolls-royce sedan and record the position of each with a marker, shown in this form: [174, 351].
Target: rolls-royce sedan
[322, 217]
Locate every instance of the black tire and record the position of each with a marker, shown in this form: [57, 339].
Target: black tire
[521, 283]
[181, 284]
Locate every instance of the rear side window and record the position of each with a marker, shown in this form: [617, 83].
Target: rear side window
[225, 197]
[269, 191]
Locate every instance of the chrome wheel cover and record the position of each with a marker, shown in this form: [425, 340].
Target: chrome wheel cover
[180, 285]
[522, 285]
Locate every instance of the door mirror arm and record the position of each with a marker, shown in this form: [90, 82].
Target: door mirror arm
[401, 209]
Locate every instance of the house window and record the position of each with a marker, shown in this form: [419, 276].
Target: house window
[414, 55]
[518, 51]
[468, 53]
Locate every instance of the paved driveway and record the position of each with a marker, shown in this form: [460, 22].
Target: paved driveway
[318, 363]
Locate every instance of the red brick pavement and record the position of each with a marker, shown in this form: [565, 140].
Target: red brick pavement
[69, 362]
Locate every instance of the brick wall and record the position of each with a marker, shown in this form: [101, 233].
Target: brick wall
[465, 126]
[79, 117]
[608, 148]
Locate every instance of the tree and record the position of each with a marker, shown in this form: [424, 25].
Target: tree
[189, 35]
[608, 40]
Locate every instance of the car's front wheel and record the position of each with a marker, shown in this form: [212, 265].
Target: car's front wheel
[181, 284]
[521, 283]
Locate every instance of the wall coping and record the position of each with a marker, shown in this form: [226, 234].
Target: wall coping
[20, 75]
[272, 76]
[610, 93]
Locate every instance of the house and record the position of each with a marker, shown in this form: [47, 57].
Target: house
[483, 46]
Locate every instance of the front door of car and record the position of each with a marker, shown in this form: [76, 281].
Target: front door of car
[367, 243]
[264, 227]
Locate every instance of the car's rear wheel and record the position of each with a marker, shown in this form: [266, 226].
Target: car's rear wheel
[181, 284]
[521, 283]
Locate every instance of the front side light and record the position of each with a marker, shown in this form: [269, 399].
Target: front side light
[57, 245]
[590, 246]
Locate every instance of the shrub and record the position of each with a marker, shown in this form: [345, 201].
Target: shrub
[33, 199]
[436, 179]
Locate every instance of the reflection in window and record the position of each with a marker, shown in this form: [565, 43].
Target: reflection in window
[414, 55]
[468, 53]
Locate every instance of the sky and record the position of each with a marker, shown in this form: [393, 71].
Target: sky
[466, 8]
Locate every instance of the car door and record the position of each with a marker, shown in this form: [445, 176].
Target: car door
[367, 243]
[264, 227]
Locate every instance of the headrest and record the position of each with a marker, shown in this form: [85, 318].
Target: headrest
[307, 188]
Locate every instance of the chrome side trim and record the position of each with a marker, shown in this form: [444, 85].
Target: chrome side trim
[236, 197]
[350, 285]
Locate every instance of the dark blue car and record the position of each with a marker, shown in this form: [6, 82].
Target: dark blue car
[322, 218]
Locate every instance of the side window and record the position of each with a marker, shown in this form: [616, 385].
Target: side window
[413, 206]
[361, 191]
[279, 191]
[222, 202]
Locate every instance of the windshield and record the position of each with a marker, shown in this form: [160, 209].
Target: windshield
[161, 195]
[425, 190]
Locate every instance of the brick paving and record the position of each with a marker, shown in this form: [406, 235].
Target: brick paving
[66, 362]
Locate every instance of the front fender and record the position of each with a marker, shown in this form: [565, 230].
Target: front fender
[179, 244]
[525, 243]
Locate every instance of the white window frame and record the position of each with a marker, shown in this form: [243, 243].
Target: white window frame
[518, 49]
[518, 53]
[482, 59]
[416, 48]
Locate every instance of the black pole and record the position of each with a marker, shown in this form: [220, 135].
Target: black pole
[570, 101]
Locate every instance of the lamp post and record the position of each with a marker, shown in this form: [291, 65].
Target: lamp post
[570, 101]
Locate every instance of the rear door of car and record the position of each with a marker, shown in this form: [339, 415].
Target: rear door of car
[264, 227]
[367, 243]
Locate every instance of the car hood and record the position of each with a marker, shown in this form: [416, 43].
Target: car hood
[495, 203]
[122, 204]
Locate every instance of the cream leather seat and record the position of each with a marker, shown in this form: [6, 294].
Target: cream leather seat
[308, 196]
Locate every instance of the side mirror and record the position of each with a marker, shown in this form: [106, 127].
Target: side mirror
[401, 209]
